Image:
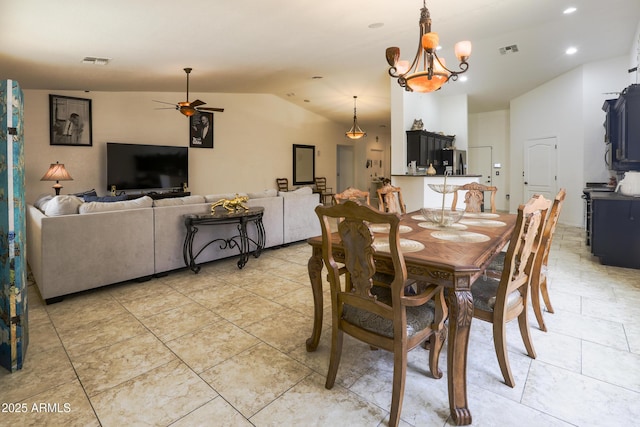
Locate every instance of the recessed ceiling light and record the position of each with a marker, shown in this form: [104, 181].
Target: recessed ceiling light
[571, 50]
[569, 10]
[95, 60]
[463, 78]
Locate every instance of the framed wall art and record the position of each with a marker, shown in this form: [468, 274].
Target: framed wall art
[70, 121]
[201, 130]
[304, 164]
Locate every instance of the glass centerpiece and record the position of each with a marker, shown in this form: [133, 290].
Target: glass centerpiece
[443, 217]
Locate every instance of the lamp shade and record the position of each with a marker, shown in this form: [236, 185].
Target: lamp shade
[56, 172]
[463, 50]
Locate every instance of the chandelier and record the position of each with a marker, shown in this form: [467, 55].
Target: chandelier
[427, 72]
[355, 132]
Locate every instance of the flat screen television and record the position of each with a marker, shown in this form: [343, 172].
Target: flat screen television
[144, 167]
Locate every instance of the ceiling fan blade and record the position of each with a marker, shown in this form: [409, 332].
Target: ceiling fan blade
[197, 102]
[219, 110]
[163, 102]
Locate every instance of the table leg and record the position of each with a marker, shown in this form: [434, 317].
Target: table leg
[261, 238]
[460, 315]
[315, 276]
[244, 244]
[187, 249]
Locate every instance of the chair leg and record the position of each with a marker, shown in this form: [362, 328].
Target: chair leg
[545, 294]
[536, 304]
[523, 323]
[439, 335]
[436, 342]
[334, 361]
[397, 394]
[500, 344]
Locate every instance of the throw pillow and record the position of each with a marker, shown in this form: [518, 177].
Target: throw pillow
[178, 201]
[41, 202]
[63, 205]
[93, 207]
[82, 194]
[105, 199]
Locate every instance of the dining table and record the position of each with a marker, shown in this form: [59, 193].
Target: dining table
[453, 256]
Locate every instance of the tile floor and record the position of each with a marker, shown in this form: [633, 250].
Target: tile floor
[226, 347]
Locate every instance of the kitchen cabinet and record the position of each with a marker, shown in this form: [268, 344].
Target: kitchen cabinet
[615, 229]
[622, 130]
[424, 147]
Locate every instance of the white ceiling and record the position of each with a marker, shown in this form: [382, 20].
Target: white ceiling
[277, 46]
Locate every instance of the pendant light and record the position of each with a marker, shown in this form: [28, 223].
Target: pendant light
[355, 132]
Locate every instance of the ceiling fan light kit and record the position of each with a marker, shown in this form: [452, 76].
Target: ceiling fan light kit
[427, 72]
[190, 108]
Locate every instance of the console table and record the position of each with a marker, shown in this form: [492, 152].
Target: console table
[241, 241]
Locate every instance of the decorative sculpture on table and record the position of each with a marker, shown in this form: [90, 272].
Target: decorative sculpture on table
[231, 205]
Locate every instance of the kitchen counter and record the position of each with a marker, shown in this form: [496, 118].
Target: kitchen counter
[424, 175]
[611, 195]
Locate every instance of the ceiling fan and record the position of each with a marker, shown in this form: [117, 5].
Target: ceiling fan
[190, 108]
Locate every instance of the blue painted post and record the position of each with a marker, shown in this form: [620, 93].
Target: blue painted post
[14, 336]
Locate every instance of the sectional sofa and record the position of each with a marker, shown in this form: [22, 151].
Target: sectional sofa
[74, 245]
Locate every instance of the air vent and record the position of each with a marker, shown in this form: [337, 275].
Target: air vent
[508, 49]
[95, 60]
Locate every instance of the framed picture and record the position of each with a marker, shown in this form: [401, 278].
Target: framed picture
[70, 121]
[201, 130]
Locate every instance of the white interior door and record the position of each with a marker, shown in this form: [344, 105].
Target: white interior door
[540, 168]
[480, 162]
[345, 168]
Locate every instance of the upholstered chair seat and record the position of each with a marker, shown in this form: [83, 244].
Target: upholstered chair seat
[418, 318]
[484, 294]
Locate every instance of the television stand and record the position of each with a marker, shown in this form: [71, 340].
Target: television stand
[156, 196]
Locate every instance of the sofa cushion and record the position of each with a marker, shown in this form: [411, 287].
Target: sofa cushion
[63, 205]
[298, 192]
[106, 199]
[92, 207]
[175, 201]
[212, 198]
[262, 194]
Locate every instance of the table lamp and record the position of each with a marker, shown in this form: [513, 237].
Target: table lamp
[57, 173]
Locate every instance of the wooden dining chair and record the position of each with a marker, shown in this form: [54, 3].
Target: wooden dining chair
[352, 194]
[390, 199]
[326, 193]
[474, 198]
[382, 316]
[499, 301]
[539, 277]
[283, 184]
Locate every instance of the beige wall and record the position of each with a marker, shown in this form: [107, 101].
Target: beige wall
[253, 139]
[492, 130]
